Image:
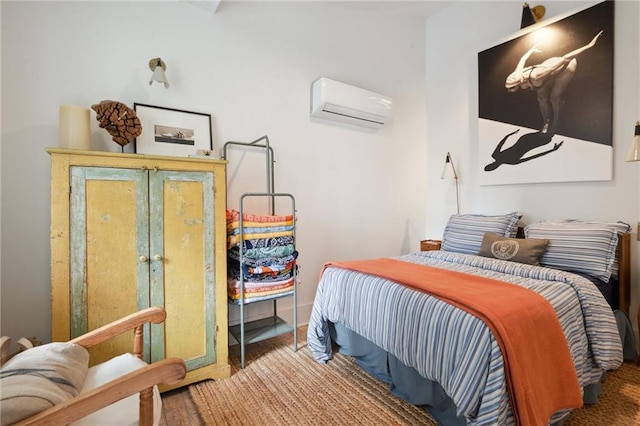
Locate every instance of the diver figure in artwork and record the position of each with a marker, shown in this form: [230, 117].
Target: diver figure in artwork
[549, 79]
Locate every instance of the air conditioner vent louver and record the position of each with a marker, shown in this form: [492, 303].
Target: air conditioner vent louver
[379, 123]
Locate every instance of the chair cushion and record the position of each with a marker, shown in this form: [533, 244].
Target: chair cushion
[126, 411]
[41, 377]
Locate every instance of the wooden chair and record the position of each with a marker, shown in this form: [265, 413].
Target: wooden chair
[142, 381]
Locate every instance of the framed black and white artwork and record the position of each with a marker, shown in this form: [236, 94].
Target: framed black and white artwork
[546, 102]
[173, 132]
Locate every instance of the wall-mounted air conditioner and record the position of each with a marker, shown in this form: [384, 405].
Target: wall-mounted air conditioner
[335, 101]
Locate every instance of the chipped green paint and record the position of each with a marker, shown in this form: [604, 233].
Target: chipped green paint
[171, 180]
[149, 187]
[78, 234]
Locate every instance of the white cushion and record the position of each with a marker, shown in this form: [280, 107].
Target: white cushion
[126, 411]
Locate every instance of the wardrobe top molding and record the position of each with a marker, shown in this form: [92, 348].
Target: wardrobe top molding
[88, 158]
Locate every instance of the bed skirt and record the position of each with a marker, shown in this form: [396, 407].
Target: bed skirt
[405, 382]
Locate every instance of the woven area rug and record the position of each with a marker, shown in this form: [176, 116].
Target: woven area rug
[619, 405]
[282, 387]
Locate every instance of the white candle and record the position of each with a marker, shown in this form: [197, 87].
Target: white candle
[74, 127]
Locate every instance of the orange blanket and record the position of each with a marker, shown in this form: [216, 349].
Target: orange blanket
[540, 371]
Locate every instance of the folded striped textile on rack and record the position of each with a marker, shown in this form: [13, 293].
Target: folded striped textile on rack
[256, 226]
[261, 278]
[233, 240]
[259, 229]
[268, 260]
[254, 290]
[262, 256]
[270, 271]
[262, 298]
[234, 215]
[233, 283]
[263, 243]
[231, 225]
[233, 260]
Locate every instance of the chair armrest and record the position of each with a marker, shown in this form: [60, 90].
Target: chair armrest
[136, 320]
[169, 371]
[5, 344]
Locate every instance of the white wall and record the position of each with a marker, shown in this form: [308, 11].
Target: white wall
[250, 65]
[452, 111]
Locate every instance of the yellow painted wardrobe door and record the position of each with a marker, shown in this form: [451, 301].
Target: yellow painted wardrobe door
[182, 266]
[108, 231]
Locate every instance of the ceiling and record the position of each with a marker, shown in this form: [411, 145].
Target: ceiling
[417, 8]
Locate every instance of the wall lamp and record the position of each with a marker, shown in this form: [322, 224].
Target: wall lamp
[634, 155]
[531, 15]
[634, 151]
[158, 67]
[449, 172]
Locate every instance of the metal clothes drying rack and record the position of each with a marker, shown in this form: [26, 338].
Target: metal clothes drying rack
[264, 328]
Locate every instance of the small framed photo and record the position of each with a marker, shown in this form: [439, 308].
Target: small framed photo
[174, 132]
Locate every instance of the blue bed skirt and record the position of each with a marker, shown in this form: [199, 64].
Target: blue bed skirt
[405, 382]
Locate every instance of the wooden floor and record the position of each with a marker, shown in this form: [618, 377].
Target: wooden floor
[178, 409]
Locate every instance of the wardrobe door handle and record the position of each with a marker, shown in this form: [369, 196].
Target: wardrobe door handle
[157, 257]
[143, 258]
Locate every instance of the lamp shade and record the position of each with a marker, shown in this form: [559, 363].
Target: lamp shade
[527, 16]
[634, 151]
[158, 67]
[448, 172]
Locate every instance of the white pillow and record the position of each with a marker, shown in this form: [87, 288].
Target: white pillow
[126, 411]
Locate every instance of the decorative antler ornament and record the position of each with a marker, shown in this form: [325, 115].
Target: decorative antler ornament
[119, 120]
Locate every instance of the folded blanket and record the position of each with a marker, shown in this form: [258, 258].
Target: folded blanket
[255, 243]
[258, 256]
[262, 298]
[251, 224]
[261, 278]
[234, 215]
[234, 262]
[267, 271]
[259, 229]
[233, 240]
[234, 293]
[233, 283]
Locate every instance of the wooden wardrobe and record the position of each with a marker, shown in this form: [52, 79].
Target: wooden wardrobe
[129, 231]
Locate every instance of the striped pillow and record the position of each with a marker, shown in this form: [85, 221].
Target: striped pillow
[587, 248]
[620, 226]
[464, 233]
[41, 377]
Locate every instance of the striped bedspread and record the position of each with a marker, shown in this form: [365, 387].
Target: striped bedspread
[452, 347]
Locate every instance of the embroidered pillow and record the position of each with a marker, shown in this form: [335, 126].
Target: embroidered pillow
[514, 249]
[464, 233]
[586, 248]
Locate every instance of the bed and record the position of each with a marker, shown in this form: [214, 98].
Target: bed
[443, 356]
